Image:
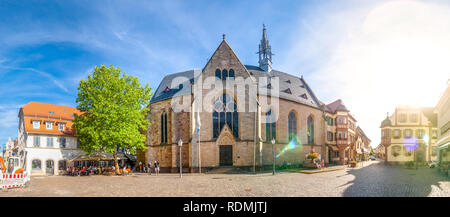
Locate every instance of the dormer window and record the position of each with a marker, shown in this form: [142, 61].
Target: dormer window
[36, 124]
[287, 91]
[269, 86]
[167, 89]
[61, 126]
[288, 81]
[48, 125]
[304, 96]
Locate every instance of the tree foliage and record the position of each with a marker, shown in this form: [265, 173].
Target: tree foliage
[114, 110]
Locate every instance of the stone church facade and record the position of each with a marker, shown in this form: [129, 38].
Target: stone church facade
[237, 131]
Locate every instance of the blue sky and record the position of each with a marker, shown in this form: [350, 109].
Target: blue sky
[47, 47]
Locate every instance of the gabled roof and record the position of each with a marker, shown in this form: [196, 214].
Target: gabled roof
[429, 113]
[49, 110]
[168, 81]
[361, 132]
[297, 87]
[335, 106]
[44, 112]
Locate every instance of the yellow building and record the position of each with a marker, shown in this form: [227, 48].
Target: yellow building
[410, 134]
[443, 112]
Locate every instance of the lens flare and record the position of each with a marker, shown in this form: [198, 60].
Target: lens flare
[411, 144]
[295, 142]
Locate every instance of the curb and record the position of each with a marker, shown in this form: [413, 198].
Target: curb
[319, 171]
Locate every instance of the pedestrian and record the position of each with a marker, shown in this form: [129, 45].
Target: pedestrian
[125, 172]
[140, 166]
[144, 169]
[156, 167]
[149, 167]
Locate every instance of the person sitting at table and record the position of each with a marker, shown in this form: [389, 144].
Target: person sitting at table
[125, 171]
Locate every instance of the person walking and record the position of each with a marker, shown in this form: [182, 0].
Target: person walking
[140, 166]
[149, 167]
[156, 167]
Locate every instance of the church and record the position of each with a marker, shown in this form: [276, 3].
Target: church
[232, 115]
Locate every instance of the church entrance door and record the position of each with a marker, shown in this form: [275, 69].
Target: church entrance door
[226, 155]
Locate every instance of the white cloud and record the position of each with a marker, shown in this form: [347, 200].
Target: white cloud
[385, 55]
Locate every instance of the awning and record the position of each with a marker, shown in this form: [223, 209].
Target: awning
[100, 156]
[444, 146]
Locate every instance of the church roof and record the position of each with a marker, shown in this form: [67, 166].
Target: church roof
[291, 87]
[168, 88]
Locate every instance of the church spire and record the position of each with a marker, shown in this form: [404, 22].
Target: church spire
[265, 52]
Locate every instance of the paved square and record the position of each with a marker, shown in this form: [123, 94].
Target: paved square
[373, 179]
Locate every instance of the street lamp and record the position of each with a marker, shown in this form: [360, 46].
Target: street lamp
[273, 157]
[180, 143]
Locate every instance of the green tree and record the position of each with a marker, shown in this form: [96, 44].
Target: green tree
[113, 109]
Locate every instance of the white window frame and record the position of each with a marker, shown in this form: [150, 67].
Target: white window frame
[61, 125]
[36, 124]
[46, 125]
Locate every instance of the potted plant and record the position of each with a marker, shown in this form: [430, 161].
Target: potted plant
[409, 164]
[310, 160]
[353, 163]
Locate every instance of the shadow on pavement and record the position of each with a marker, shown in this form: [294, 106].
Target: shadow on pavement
[380, 180]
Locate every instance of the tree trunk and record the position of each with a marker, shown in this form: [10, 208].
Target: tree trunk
[116, 162]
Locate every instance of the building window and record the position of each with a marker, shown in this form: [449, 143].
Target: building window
[330, 121]
[414, 117]
[49, 141]
[420, 133]
[433, 152]
[310, 129]
[396, 133]
[224, 74]
[48, 125]
[36, 165]
[36, 124]
[231, 74]
[163, 128]
[335, 154]
[270, 126]
[339, 135]
[218, 74]
[225, 112]
[396, 150]
[78, 143]
[408, 133]
[292, 125]
[434, 134]
[62, 142]
[402, 118]
[36, 141]
[330, 136]
[61, 126]
[62, 165]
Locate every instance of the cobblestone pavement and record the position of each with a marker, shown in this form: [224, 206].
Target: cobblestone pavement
[373, 179]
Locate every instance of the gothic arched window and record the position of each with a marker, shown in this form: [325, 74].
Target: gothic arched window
[225, 112]
[310, 127]
[271, 130]
[292, 125]
[231, 73]
[218, 74]
[163, 128]
[224, 74]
